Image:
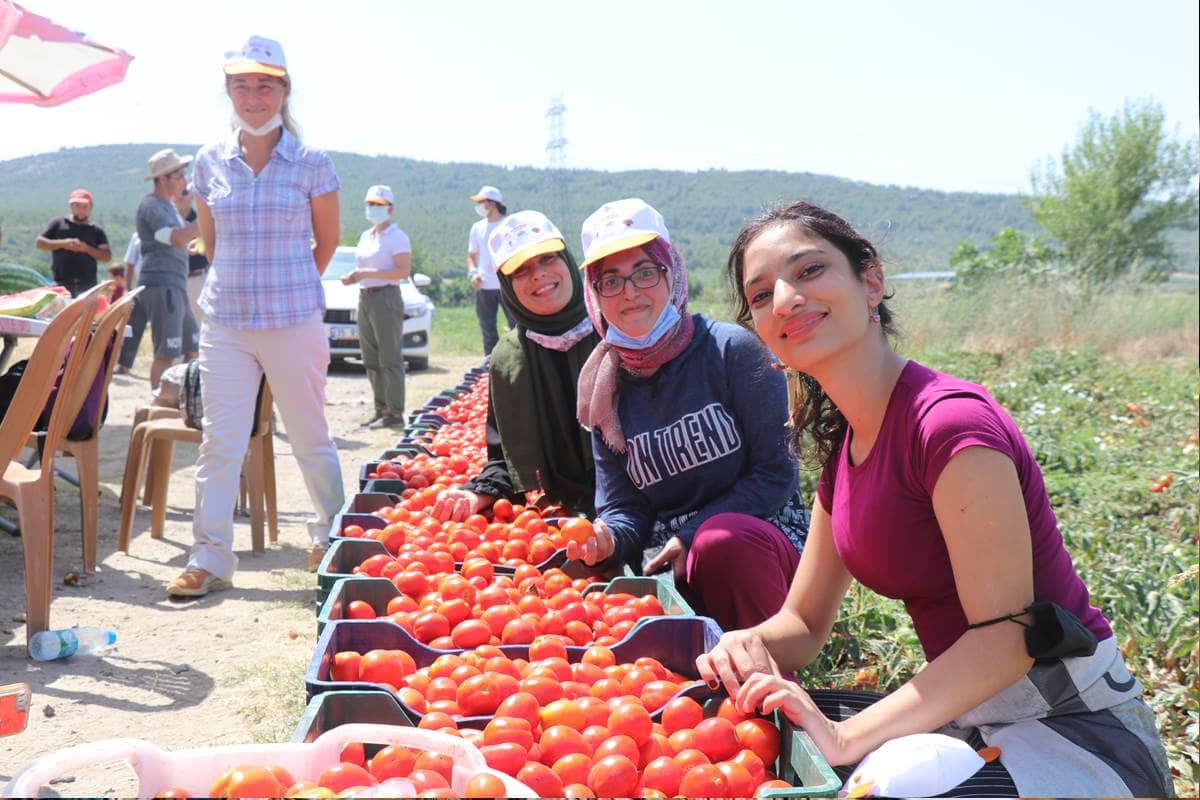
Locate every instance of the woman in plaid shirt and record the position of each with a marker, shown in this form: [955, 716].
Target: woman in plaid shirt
[268, 214]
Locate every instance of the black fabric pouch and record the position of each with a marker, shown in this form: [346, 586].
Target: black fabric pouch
[1054, 632]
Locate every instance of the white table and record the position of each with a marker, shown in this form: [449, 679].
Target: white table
[13, 327]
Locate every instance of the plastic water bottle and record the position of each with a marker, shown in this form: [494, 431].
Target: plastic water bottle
[51, 645]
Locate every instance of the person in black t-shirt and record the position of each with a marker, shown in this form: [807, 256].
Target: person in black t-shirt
[75, 245]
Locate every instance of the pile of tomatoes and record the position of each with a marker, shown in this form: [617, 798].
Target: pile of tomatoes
[584, 729]
[477, 682]
[516, 535]
[464, 610]
[457, 449]
[430, 774]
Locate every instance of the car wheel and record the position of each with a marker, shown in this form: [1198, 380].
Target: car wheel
[417, 363]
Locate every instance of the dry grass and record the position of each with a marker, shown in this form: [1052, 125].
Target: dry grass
[1128, 323]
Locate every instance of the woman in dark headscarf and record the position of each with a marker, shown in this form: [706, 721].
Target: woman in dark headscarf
[534, 440]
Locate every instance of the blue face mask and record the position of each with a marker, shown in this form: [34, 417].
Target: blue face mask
[666, 321]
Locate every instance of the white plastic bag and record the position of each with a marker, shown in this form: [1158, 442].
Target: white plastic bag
[920, 765]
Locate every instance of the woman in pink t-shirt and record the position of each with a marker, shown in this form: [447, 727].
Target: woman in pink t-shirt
[930, 495]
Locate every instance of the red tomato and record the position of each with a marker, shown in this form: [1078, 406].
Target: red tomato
[251, 781]
[471, 633]
[717, 739]
[392, 761]
[572, 768]
[424, 780]
[664, 775]
[509, 729]
[618, 745]
[485, 785]
[633, 721]
[760, 736]
[386, 666]
[506, 757]
[522, 705]
[682, 712]
[342, 776]
[345, 666]
[558, 741]
[352, 753]
[542, 779]
[359, 609]
[752, 764]
[615, 776]
[704, 780]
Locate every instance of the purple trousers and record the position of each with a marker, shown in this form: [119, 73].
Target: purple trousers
[739, 568]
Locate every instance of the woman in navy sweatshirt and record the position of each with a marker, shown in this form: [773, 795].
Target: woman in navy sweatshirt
[688, 420]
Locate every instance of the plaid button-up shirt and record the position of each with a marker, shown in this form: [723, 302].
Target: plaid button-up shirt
[263, 274]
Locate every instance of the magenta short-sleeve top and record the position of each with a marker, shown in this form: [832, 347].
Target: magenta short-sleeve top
[884, 527]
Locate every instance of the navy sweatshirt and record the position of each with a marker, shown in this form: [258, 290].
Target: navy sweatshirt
[706, 434]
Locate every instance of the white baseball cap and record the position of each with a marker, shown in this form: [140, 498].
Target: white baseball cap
[620, 225]
[379, 195]
[521, 236]
[487, 193]
[257, 54]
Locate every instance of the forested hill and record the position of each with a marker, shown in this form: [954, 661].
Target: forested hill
[916, 228]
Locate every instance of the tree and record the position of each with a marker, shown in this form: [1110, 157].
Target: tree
[1013, 256]
[1116, 192]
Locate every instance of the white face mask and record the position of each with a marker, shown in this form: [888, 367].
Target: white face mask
[377, 214]
[481, 209]
[667, 319]
[268, 126]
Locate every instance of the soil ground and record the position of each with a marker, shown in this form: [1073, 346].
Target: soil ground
[223, 669]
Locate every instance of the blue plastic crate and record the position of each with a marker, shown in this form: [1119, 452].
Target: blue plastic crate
[369, 502]
[392, 486]
[379, 591]
[332, 709]
[366, 521]
[674, 641]
[343, 556]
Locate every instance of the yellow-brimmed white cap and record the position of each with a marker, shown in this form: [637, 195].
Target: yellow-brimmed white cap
[379, 195]
[257, 54]
[521, 236]
[487, 193]
[620, 225]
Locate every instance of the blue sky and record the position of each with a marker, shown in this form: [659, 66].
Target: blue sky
[938, 94]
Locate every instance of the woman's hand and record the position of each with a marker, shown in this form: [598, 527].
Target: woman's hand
[597, 548]
[738, 656]
[458, 504]
[673, 553]
[764, 693]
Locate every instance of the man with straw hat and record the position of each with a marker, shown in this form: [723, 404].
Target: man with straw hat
[164, 268]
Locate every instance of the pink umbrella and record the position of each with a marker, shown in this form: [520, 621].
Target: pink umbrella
[45, 64]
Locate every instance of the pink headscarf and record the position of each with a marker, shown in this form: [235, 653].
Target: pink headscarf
[599, 378]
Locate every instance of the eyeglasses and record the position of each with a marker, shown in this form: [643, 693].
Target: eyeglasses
[647, 277]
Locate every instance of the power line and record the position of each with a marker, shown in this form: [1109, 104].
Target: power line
[556, 154]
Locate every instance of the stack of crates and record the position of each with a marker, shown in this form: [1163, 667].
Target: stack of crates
[676, 640]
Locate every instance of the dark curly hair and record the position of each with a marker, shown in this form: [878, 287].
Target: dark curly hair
[814, 416]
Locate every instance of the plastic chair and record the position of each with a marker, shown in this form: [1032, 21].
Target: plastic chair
[151, 446]
[99, 358]
[32, 490]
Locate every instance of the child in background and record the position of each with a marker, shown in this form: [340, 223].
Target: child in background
[116, 274]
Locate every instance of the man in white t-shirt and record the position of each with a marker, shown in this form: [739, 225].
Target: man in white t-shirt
[384, 257]
[489, 204]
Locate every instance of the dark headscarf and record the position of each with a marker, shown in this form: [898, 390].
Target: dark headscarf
[534, 397]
